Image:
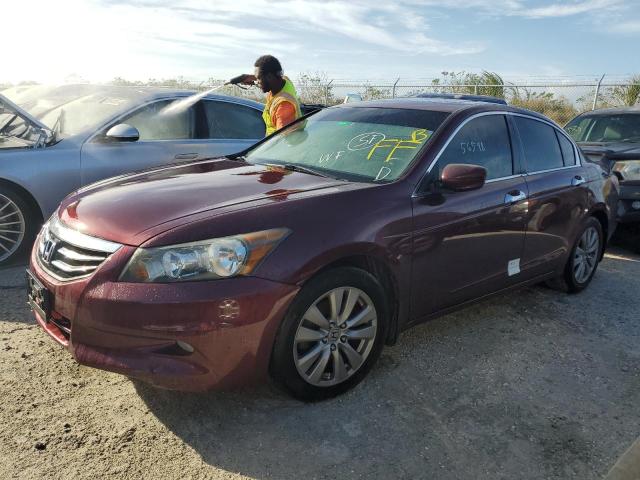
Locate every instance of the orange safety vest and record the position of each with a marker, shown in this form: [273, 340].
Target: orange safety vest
[287, 94]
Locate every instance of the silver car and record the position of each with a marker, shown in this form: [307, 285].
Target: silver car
[54, 140]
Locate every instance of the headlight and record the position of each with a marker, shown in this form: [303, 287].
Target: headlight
[205, 260]
[628, 170]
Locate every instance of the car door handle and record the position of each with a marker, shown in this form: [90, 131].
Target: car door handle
[186, 156]
[577, 180]
[514, 196]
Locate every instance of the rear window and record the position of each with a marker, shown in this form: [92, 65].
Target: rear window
[541, 147]
[568, 153]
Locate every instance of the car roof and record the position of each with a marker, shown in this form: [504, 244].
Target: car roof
[612, 111]
[463, 96]
[442, 105]
[136, 94]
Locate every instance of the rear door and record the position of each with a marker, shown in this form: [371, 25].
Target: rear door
[557, 194]
[468, 244]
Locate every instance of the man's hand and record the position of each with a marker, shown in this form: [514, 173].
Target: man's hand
[244, 79]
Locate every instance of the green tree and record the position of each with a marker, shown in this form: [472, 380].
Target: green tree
[485, 83]
[375, 93]
[626, 95]
[315, 87]
[560, 109]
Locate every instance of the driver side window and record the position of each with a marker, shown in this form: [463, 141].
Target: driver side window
[483, 141]
[154, 124]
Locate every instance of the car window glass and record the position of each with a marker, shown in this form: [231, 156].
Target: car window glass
[484, 141]
[568, 154]
[578, 128]
[230, 120]
[154, 124]
[540, 145]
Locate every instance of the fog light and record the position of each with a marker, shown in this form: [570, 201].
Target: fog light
[636, 205]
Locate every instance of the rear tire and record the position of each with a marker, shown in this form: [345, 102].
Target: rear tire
[17, 226]
[332, 334]
[585, 256]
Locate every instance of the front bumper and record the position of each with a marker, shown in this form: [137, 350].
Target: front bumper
[628, 195]
[135, 329]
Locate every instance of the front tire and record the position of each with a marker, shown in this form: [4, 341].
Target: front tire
[332, 334]
[17, 230]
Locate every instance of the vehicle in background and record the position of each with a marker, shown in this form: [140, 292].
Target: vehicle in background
[352, 97]
[54, 140]
[308, 108]
[611, 137]
[303, 255]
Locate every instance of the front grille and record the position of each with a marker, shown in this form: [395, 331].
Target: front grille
[67, 254]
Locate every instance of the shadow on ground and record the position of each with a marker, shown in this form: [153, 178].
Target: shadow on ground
[533, 384]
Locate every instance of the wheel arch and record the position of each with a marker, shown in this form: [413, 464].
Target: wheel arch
[26, 196]
[378, 268]
[600, 214]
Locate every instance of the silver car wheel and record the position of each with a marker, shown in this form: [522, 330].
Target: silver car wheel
[12, 227]
[585, 258]
[335, 336]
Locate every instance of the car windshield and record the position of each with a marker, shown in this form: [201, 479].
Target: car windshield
[605, 128]
[71, 109]
[359, 144]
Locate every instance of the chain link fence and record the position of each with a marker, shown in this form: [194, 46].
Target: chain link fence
[560, 101]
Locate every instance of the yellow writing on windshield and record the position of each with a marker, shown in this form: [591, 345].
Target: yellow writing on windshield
[417, 138]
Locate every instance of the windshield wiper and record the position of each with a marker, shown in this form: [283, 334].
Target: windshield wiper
[299, 168]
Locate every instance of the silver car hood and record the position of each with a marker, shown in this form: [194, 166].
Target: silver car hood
[7, 106]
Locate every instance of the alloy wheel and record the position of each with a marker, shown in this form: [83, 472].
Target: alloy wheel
[585, 258]
[12, 227]
[335, 336]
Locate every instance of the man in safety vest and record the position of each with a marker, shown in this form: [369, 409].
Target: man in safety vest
[282, 106]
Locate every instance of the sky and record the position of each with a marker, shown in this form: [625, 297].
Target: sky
[98, 40]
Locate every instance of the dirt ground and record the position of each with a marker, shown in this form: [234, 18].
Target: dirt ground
[535, 384]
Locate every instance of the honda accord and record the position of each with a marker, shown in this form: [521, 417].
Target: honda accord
[301, 257]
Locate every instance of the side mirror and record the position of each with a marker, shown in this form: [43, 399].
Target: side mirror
[461, 177]
[123, 133]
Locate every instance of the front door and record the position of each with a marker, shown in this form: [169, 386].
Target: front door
[469, 244]
[164, 139]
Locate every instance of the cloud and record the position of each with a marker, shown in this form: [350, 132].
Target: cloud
[626, 27]
[526, 8]
[101, 39]
[569, 9]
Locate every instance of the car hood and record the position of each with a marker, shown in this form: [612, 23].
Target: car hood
[130, 209]
[7, 106]
[610, 149]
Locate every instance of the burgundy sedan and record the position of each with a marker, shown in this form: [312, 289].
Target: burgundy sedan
[304, 255]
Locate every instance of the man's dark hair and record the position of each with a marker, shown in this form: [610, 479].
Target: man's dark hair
[269, 64]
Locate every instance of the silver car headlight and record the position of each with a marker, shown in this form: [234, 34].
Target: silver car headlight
[628, 169]
[204, 260]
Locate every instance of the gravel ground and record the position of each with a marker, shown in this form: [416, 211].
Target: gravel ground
[535, 384]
